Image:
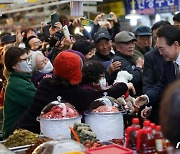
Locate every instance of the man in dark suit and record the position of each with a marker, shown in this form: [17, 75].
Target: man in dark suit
[153, 61]
[168, 44]
[153, 67]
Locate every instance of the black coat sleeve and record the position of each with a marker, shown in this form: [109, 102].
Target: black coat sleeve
[148, 75]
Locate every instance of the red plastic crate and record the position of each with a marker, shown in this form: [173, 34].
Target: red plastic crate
[109, 149]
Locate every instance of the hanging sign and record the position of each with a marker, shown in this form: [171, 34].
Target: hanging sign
[154, 6]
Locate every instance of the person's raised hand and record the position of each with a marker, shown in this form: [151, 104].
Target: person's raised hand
[131, 87]
[113, 17]
[145, 113]
[140, 101]
[114, 66]
[98, 18]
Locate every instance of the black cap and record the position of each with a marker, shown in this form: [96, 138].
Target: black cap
[101, 34]
[28, 39]
[143, 31]
[7, 39]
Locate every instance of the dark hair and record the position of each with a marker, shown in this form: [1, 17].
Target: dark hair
[159, 24]
[170, 113]
[27, 41]
[170, 33]
[92, 71]
[83, 46]
[58, 81]
[176, 17]
[25, 31]
[12, 57]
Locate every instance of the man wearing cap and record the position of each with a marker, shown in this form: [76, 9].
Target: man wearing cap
[125, 44]
[103, 54]
[7, 39]
[144, 42]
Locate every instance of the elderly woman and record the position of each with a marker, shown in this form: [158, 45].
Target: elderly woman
[66, 77]
[20, 90]
[41, 66]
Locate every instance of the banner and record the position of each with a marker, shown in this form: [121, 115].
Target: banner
[116, 7]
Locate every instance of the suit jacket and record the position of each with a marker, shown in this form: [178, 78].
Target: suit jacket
[167, 77]
[153, 67]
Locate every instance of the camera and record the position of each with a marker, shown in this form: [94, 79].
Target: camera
[57, 37]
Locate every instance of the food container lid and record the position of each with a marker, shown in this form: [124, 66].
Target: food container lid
[59, 110]
[113, 149]
[62, 146]
[105, 105]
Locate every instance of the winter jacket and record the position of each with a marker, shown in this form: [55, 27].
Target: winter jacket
[74, 94]
[19, 94]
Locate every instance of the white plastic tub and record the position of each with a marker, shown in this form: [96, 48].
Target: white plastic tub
[106, 125]
[55, 128]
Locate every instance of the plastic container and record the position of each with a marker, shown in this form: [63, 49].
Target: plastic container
[153, 127]
[55, 128]
[60, 147]
[109, 149]
[56, 118]
[107, 124]
[146, 124]
[145, 142]
[160, 141]
[131, 134]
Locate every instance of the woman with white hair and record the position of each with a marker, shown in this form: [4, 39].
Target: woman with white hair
[41, 66]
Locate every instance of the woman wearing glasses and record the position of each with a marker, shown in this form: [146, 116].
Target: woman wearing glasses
[20, 90]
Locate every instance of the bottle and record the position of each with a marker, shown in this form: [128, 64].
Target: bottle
[168, 146]
[131, 134]
[145, 142]
[147, 124]
[153, 127]
[159, 139]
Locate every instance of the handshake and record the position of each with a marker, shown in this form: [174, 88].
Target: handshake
[140, 101]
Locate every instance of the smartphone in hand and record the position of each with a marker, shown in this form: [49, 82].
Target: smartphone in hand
[107, 17]
[54, 19]
[46, 33]
[66, 31]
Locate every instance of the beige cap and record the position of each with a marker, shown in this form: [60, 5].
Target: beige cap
[124, 36]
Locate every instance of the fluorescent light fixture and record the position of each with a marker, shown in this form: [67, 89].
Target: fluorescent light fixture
[133, 15]
[7, 1]
[133, 22]
[157, 17]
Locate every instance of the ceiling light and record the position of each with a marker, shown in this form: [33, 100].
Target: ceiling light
[133, 16]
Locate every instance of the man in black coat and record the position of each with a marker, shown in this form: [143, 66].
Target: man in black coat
[153, 61]
[125, 44]
[153, 68]
[168, 39]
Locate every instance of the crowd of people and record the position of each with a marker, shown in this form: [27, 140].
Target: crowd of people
[80, 67]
